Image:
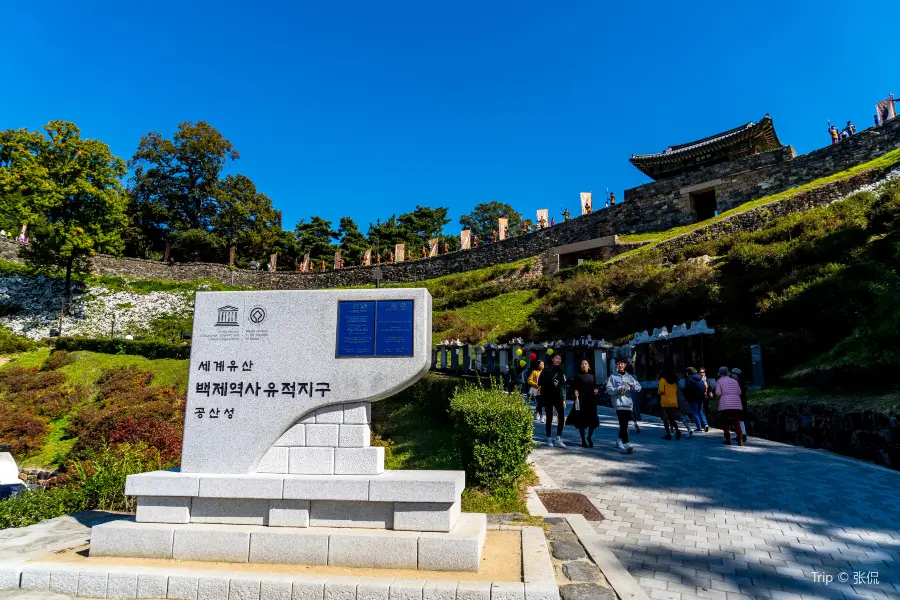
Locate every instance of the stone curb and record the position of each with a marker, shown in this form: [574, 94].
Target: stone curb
[624, 584]
[179, 583]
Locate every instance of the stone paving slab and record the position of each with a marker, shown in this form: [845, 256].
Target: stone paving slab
[697, 519]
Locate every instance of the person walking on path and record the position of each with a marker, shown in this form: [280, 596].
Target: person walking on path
[739, 376]
[728, 391]
[553, 395]
[619, 387]
[695, 392]
[684, 410]
[535, 391]
[584, 411]
[635, 401]
[668, 400]
[710, 393]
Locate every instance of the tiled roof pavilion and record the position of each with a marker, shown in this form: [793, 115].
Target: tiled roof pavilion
[750, 138]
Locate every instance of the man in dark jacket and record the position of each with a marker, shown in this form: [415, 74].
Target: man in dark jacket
[553, 385]
[695, 392]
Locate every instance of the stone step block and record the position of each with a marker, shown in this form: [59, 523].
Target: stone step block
[35, 576]
[359, 461]
[322, 435]
[373, 548]
[163, 509]
[10, 577]
[162, 483]
[473, 590]
[388, 486]
[330, 414]
[182, 587]
[311, 461]
[407, 589]
[359, 514]
[213, 587]
[219, 543]
[288, 513]
[426, 516]
[275, 460]
[439, 589]
[122, 586]
[133, 540]
[358, 413]
[295, 436]
[64, 580]
[284, 545]
[417, 486]
[251, 485]
[276, 587]
[354, 436]
[310, 588]
[244, 587]
[151, 585]
[92, 584]
[458, 550]
[327, 488]
[374, 588]
[537, 566]
[230, 511]
[341, 587]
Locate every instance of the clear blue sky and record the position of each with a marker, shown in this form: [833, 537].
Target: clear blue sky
[366, 108]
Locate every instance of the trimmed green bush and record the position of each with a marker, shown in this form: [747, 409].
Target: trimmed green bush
[493, 433]
[11, 343]
[146, 348]
[35, 505]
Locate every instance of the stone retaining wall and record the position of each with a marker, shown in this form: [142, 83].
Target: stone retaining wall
[652, 207]
[868, 435]
[667, 203]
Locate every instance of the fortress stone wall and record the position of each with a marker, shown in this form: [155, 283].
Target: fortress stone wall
[652, 207]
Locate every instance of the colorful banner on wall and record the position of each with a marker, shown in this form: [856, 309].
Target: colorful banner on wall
[305, 266]
[433, 247]
[367, 258]
[543, 218]
[337, 260]
[465, 239]
[399, 252]
[503, 225]
[885, 109]
[586, 203]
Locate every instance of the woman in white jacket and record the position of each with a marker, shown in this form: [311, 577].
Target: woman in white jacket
[619, 387]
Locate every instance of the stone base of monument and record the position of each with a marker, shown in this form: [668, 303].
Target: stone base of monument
[457, 550]
[396, 519]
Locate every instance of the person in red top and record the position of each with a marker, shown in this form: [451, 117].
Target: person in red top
[728, 391]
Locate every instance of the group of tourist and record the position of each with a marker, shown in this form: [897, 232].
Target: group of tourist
[9, 236]
[687, 402]
[843, 134]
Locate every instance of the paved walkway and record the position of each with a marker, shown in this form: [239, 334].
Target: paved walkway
[697, 519]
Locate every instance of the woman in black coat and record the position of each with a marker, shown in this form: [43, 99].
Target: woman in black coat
[585, 417]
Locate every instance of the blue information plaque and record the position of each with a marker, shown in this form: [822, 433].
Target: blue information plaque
[355, 328]
[394, 328]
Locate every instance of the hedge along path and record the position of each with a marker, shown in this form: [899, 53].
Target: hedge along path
[838, 183]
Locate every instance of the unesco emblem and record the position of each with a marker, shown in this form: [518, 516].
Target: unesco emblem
[257, 315]
[228, 316]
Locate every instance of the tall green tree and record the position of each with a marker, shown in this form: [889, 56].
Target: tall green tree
[384, 235]
[316, 237]
[353, 243]
[246, 219]
[175, 184]
[485, 216]
[424, 223]
[71, 196]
